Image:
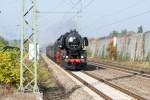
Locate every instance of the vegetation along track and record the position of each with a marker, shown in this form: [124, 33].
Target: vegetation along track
[120, 68]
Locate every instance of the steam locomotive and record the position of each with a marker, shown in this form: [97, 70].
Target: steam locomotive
[68, 50]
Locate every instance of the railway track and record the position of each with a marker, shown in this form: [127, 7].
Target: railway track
[120, 68]
[90, 86]
[104, 88]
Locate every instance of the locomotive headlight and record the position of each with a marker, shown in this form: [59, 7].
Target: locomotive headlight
[67, 57]
[60, 46]
[71, 39]
[82, 57]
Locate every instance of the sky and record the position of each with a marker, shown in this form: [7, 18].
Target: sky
[97, 18]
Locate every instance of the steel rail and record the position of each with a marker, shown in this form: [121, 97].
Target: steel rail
[137, 97]
[90, 86]
[119, 68]
[99, 93]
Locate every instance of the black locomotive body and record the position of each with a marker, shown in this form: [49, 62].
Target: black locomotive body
[68, 50]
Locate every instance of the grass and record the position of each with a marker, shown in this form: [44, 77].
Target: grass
[46, 77]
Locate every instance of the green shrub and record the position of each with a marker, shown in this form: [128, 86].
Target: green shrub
[9, 67]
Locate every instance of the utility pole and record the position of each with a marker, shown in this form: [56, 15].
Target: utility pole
[28, 58]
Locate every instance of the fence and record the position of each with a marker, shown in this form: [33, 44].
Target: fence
[134, 47]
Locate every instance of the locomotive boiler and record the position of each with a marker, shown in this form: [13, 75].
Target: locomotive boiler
[68, 50]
